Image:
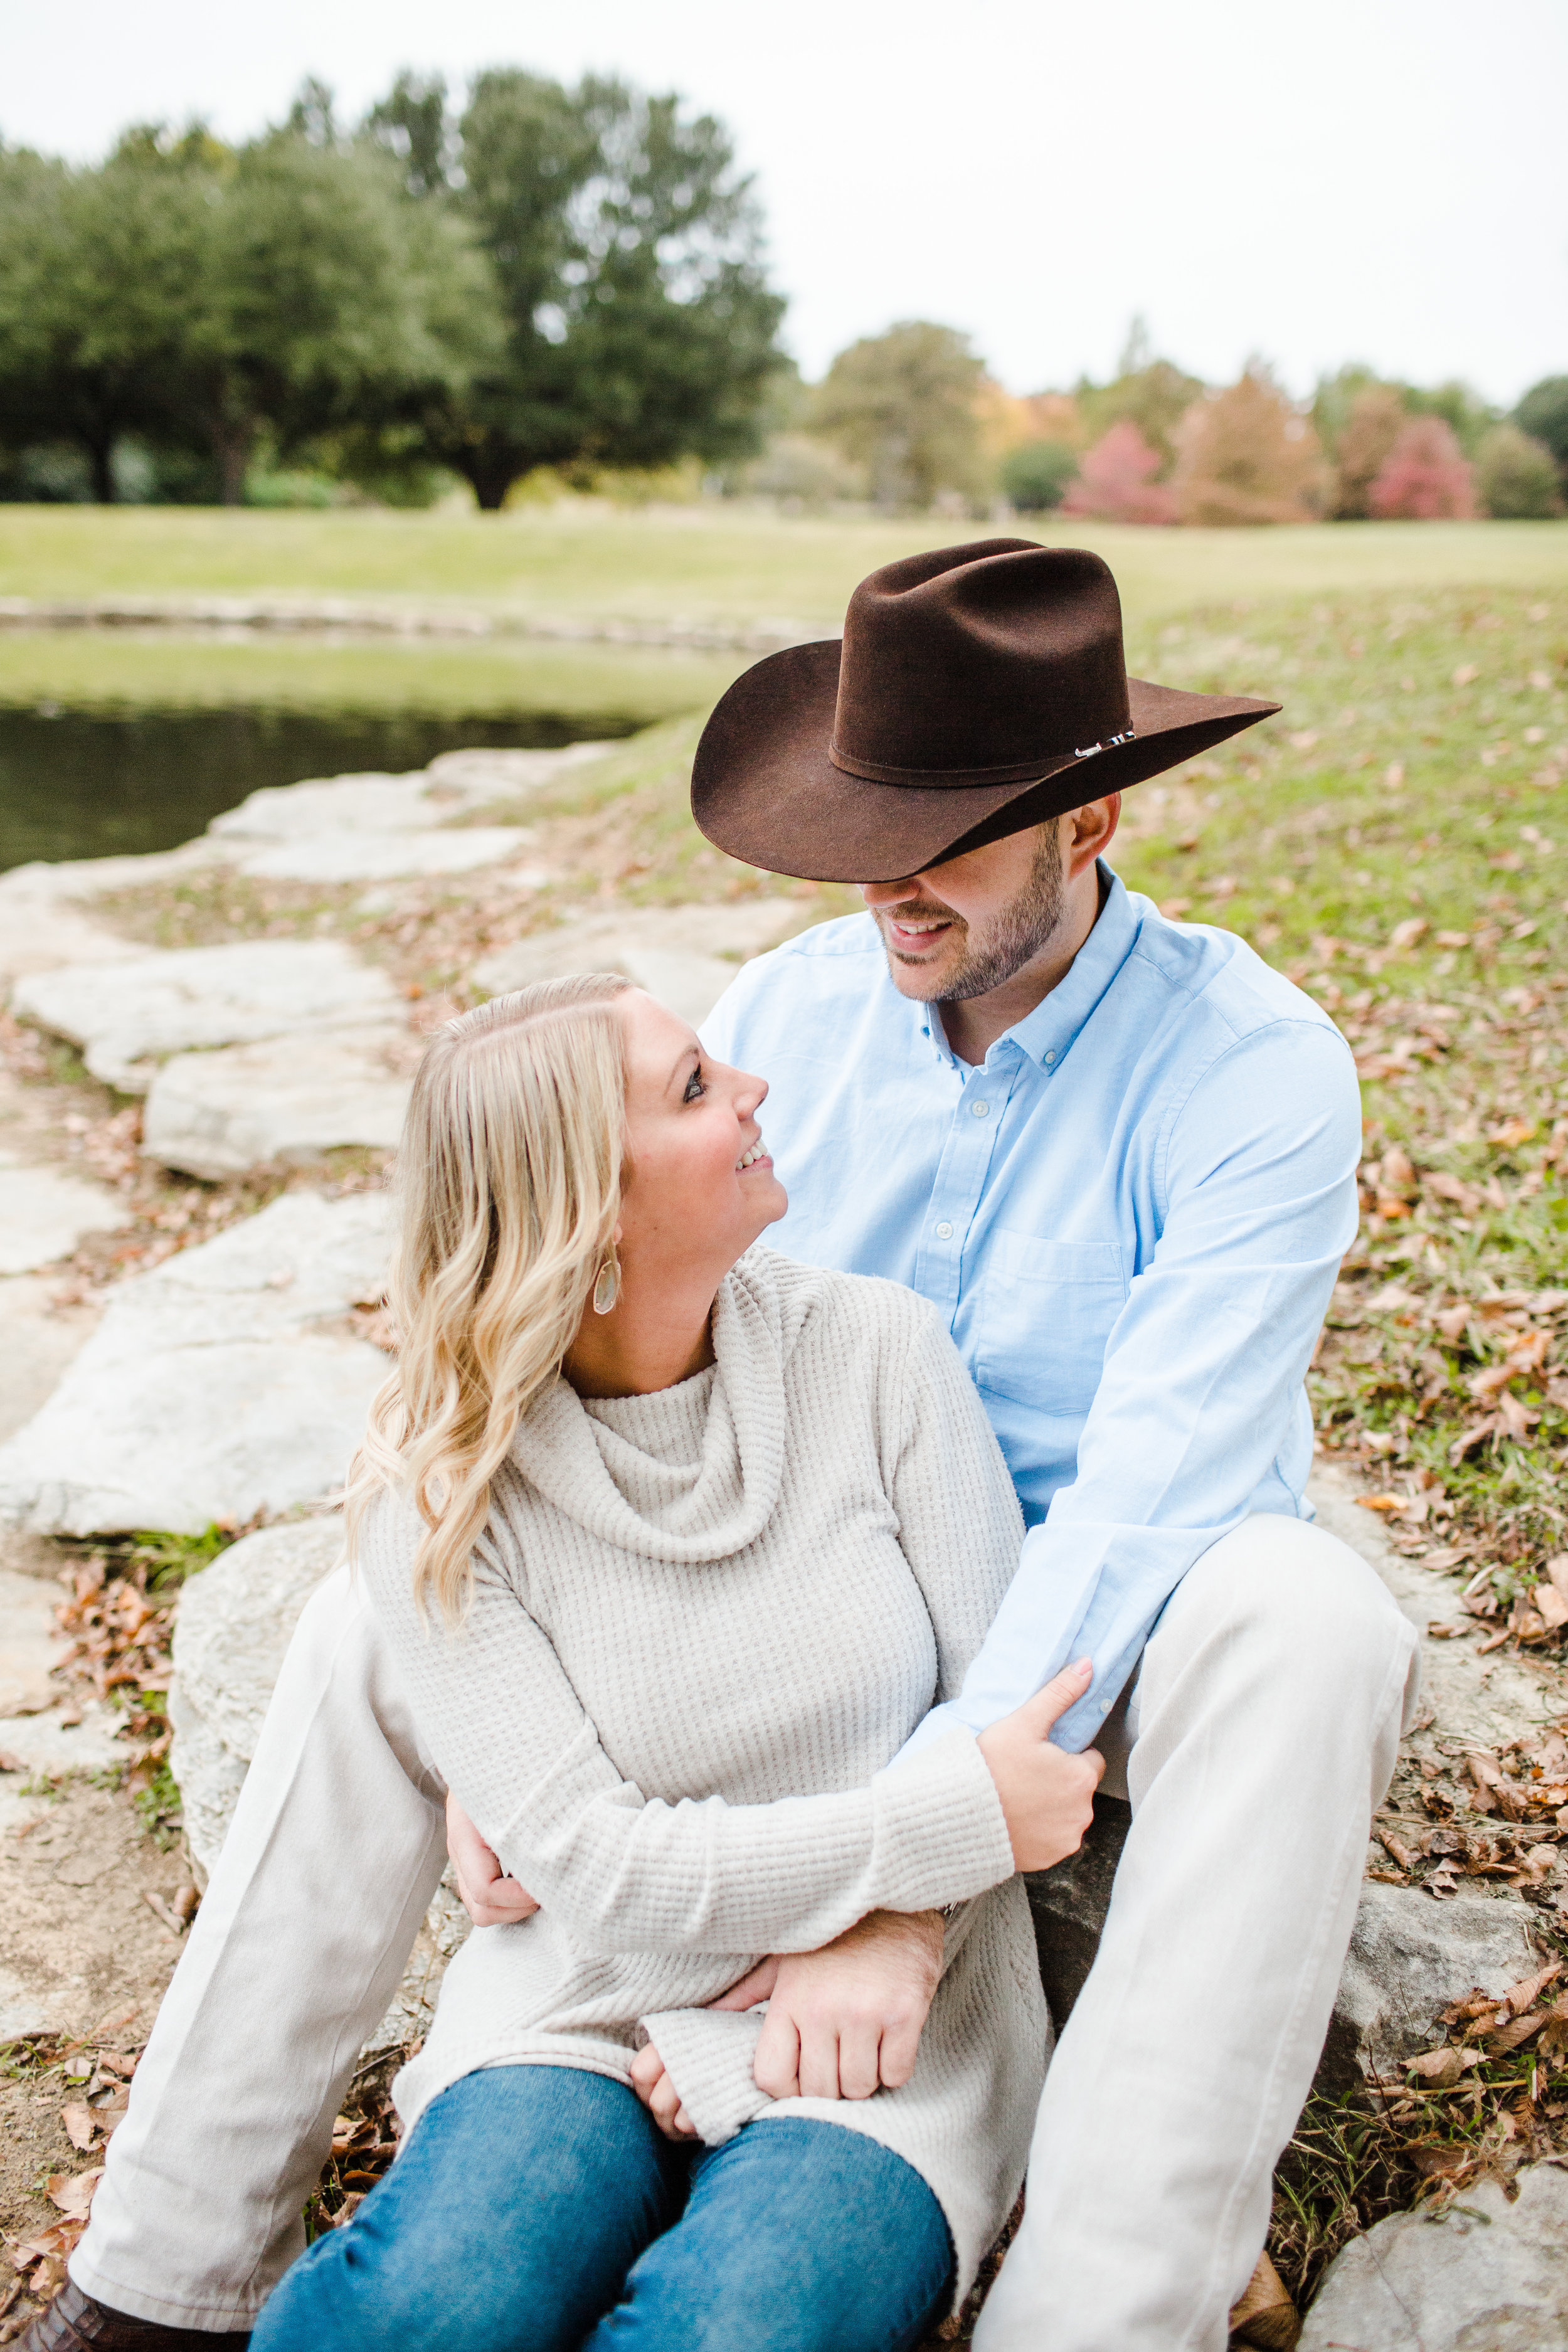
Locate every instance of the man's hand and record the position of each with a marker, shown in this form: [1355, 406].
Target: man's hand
[490, 1898]
[844, 2022]
[659, 2095]
[1047, 1796]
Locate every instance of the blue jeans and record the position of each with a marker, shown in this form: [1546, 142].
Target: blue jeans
[538, 2208]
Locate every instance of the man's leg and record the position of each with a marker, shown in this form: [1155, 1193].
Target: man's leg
[1267, 1715]
[509, 2225]
[336, 1848]
[798, 2236]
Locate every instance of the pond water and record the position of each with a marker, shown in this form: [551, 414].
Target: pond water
[86, 784]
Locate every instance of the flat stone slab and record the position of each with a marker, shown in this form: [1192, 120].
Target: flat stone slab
[126, 1019]
[216, 1387]
[349, 856]
[685, 955]
[39, 933]
[37, 1340]
[1485, 2276]
[284, 1098]
[235, 1620]
[44, 1214]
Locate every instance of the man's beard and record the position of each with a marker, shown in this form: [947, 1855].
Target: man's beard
[1019, 932]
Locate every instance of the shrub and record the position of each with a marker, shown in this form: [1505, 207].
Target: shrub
[1425, 478]
[1037, 475]
[1543, 415]
[1247, 455]
[1517, 476]
[1116, 480]
[1371, 429]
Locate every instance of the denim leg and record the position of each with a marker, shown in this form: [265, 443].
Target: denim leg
[798, 2236]
[510, 2221]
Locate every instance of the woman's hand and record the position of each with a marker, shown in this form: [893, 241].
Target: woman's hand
[1047, 1796]
[659, 2095]
[490, 1898]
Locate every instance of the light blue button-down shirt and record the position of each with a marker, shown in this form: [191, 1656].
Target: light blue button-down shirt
[1131, 1214]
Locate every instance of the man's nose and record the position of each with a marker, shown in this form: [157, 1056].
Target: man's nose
[891, 893]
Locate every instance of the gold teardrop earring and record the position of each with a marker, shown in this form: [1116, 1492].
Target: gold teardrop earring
[607, 1286]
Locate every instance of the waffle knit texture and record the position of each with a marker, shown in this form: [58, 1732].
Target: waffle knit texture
[704, 1623]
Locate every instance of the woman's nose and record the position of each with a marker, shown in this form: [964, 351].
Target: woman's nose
[750, 1095]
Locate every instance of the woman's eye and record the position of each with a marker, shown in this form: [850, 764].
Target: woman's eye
[695, 1089]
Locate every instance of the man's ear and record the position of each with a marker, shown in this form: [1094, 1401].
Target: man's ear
[1090, 832]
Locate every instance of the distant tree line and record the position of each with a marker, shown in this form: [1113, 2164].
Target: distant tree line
[551, 276]
[911, 418]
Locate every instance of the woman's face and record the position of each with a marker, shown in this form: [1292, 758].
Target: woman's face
[701, 1187]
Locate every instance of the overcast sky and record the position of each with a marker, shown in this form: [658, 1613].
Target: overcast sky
[1363, 179]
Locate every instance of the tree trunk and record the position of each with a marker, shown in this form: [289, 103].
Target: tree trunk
[232, 445]
[100, 456]
[490, 471]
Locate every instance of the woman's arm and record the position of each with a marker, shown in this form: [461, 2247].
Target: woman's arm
[623, 1873]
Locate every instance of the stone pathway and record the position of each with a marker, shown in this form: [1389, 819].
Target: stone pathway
[1488, 2276]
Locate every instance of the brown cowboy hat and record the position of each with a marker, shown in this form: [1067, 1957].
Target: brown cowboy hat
[975, 690]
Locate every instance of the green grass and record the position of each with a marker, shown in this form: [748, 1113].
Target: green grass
[110, 670]
[706, 563]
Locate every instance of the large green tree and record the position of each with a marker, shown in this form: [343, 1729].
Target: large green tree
[903, 407]
[96, 271]
[637, 323]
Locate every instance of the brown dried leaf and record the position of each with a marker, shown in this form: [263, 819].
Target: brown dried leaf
[74, 2196]
[80, 2123]
[1441, 2068]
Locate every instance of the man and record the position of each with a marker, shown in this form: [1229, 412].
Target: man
[1120, 1154]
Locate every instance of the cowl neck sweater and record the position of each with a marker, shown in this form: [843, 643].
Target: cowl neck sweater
[703, 1624]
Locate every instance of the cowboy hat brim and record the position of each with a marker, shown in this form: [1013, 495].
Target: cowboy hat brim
[765, 790]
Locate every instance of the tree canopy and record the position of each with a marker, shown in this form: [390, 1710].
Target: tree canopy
[570, 278]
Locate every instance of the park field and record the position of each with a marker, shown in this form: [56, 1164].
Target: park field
[708, 565]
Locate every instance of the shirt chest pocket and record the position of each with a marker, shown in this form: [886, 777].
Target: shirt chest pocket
[1045, 1312]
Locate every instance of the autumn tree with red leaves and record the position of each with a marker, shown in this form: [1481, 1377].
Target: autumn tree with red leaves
[1116, 480]
[1425, 478]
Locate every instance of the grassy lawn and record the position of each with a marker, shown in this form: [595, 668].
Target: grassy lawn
[111, 669]
[714, 564]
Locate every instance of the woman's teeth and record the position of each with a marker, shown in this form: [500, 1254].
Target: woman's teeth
[758, 1151]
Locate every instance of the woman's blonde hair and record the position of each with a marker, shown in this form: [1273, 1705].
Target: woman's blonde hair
[510, 1186]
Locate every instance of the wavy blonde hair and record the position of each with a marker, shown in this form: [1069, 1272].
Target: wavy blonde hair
[508, 1189]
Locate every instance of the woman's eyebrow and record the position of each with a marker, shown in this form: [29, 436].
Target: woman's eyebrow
[692, 1054]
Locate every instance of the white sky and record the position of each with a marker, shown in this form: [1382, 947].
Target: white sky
[1383, 180]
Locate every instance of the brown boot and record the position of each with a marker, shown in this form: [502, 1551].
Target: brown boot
[74, 2323]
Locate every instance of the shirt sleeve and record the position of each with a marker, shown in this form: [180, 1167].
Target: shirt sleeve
[958, 1521]
[1202, 1373]
[626, 1873]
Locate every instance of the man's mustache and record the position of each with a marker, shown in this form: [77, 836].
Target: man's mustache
[920, 912]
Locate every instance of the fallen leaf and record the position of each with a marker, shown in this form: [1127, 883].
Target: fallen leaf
[1438, 2067]
[1405, 934]
[9, 1763]
[1388, 1506]
[1265, 2317]
[1453, 1321]
[74, 2196]
[1557, 1569]
[1394, 774]
[1518, 1419]
[1469, 1439]
[1512, 1132]
[1525, 1994]
[1451, 939]
[1466, 675]
[77, 2119]
[1551, 1606]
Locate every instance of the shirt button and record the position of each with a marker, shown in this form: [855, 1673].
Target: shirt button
[945, 1232]
[1050, 1057]
[980, 1109]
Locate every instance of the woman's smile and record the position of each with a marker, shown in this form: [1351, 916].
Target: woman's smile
[756, 1155]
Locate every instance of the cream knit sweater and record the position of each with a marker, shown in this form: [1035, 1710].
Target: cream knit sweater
[704, 1623]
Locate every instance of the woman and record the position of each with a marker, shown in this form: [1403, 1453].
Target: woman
[675, 1543]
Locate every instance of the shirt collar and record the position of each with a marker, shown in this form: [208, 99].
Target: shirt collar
[1045, 1034]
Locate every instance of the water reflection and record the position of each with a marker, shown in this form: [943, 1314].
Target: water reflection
[80, 784]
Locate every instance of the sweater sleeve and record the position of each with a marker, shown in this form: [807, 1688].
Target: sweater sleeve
[960, 1525]
[625, 1873]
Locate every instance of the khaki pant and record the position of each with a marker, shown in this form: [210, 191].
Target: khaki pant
[1257, 1740]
